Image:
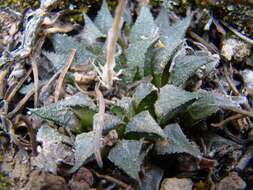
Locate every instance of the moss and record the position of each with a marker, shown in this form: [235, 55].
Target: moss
[4, 182]
[20, 5]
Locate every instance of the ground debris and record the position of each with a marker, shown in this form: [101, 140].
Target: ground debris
[81, 180]
[40, 180]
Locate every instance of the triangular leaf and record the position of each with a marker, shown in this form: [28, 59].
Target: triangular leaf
[58, 61]
[144, 123]
[170, 101]
[163, 21]
[176, 142]
[152, 178]
[90, 32]
[124, 107]
[128, 15]
[142, 91]
[187, 65]
[172, 37]
[61, 113]
[63, 45]
[209, 103]
[111, 122]
[128, 155]
[143, 27]
[104, 18]
[84, 149]
[142, 35]
[179, 28]
[54, 148]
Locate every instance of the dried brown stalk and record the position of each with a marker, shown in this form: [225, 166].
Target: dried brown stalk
[36, 82]
[231, 118]
[62, 75]
[199, 39]
[49, 82]
[240, 111]
[231, 84]
[3, 74]
[108, 71]
[98, 125]
[20, 104]
[18, 86]
[242, 36]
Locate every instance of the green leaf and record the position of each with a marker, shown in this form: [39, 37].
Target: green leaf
[61, 111]
[170, 101]
[171, 37]
[63, 45]
[176, 142]
[85, 117]
[142, 91]
[143, 27]
[84, 149]
[111, 122]
[104, 18]
[143, 34]
[179, 28]
[209, 103]
[55, 147]
[128, 156]
[135, 55]
[143, 123]
[187, 65]
[163, 21]
[124, 107]
[58, 61]
[128, 15]
[49, 135]
[152, 178]
[90, 32]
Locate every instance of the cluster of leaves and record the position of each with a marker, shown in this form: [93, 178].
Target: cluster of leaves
[153, 47]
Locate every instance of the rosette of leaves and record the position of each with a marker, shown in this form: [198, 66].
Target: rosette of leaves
[144, 33]
[149, 108]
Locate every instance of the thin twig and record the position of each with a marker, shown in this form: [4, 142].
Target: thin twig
[21, 103]
[18, 86]
[3, 74]
[243, 37]
[231, 84]
[231, 118]
[209, 46]
[99, 125]
[240, 111]
[62, 75]
[46, 86]
[36, 82]
[112, 179]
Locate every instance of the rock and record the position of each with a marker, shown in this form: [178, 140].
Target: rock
[247, 75]
[231, 182]
[176, 184]
[235, 49]
[81, 180]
